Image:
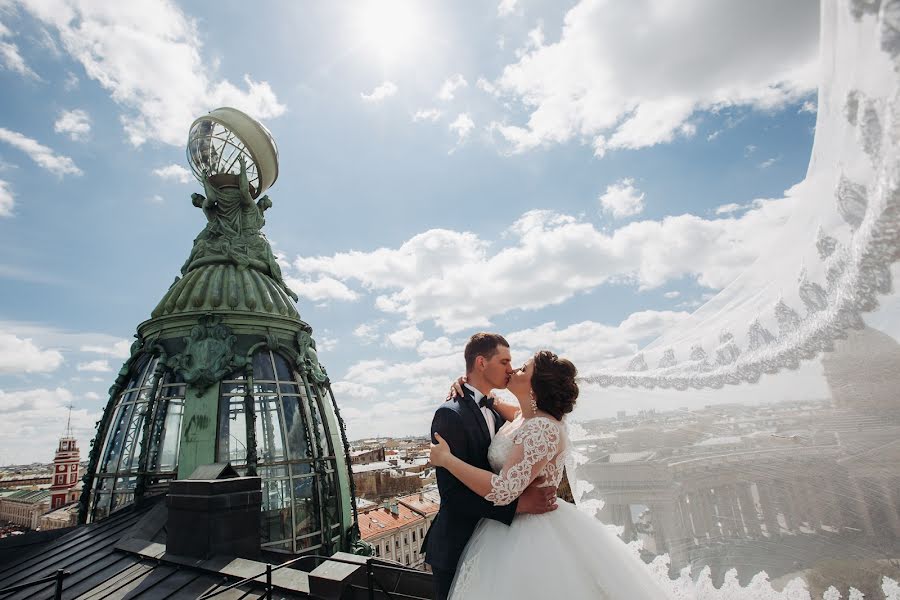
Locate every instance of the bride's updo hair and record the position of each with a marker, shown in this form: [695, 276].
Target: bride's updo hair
[553, 383]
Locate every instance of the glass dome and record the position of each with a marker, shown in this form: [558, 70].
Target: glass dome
[296, 440]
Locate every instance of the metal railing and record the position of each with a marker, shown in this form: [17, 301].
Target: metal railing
[57, 577]
[371, 579]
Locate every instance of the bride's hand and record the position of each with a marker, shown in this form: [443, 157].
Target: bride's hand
[456, 390]
[440, 452]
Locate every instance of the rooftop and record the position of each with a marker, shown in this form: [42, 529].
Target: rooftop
[379, 521]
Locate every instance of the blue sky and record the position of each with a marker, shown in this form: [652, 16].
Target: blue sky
[577, 175]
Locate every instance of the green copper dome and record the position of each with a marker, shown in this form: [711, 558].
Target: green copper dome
[225, 371]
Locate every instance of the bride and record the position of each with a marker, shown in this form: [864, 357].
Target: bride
[562, 553]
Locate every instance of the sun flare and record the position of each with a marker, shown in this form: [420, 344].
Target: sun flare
[389, 28]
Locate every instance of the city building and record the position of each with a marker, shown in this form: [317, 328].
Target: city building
[25, 507]
[397, 528]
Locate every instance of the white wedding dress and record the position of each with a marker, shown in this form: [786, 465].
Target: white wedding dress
[561, 554]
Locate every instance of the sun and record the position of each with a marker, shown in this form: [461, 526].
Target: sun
[390, 29]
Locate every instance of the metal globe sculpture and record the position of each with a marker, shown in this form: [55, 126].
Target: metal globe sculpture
[218, 141]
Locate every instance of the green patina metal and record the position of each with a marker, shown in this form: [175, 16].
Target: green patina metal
[227, 316]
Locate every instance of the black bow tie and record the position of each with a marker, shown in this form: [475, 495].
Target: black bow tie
[486, 401]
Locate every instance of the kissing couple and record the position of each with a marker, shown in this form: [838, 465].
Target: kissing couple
[500, 532]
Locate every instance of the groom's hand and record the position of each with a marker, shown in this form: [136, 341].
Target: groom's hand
[537, 500]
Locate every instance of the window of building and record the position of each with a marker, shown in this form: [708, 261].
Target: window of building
[378, 550]
[414, 535]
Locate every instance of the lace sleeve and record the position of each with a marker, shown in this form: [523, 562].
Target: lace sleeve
[534, 445]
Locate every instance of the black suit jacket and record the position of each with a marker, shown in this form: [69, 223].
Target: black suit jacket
[462, 424]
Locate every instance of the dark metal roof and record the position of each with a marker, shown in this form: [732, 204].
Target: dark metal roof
[115, 559]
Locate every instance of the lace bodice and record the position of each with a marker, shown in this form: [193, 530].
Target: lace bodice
[522, 450]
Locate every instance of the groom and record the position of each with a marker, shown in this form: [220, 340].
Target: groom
[468, 424]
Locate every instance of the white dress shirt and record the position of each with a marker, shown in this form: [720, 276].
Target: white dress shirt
[488, 413]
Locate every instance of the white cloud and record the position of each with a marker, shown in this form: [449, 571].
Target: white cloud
[672, 294]
[809, 107]
[45, 157]
[486, 86]
[149, 58]
[76, 123]
[622, 199]
[733, 207]
[462, 126]
[427, 114]
[448, 277]
[67, 341]
[23, 355]
[36, 418]
[713, 135]
[156, 199]
[367, 332]
[408, 337]
[506, 7]
[768, 163]
[441, 346]
[100, 366]
[595, 344]
[631, 75]
[450, 86]
[71, 82]
[385, 90]
[7, 199]
[749, 149]
[118, 349]
[323, 288]
[348, 389]
[175, 173]
[93, 396]
[12, 60]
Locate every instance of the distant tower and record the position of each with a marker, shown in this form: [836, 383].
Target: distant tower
[65, 469]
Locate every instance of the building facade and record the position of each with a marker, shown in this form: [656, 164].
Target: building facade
[25, 507]
[397, 528]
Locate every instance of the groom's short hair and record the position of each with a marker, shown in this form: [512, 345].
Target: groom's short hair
[482, 344]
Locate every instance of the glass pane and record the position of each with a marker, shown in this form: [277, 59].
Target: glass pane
[171, 437]
[173, 391]
[262, 366]
[137, 372]
[276, 472]
[234, 388]
[301, 469]
[297, 439]
[232, 431]
[289, 388]
[276, 510]
[115, 438]
[264, 388]
[282, 368]
[131, 445]
[306, 510]
[269, 436]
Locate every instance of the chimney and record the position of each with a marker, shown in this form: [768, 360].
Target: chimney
[213, 512]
